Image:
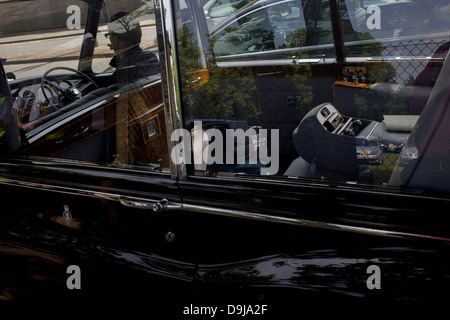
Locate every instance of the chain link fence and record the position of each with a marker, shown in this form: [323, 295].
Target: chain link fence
[416, 65]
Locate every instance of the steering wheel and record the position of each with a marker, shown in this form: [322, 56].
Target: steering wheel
[72, 92]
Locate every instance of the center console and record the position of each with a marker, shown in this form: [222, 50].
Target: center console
[328, 139]
[336, 123]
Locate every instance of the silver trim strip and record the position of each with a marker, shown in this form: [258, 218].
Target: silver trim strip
[274, 62]
[373, 129]
[61, 189]
[307, 223]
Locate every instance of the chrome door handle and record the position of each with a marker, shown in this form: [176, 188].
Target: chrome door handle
[164, 205]
[193, 81]
[158, 206]
[137, 204]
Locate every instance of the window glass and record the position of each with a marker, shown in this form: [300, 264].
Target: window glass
[32, 48]
[113, 118]
[217, 11]
[144, 15]
[404, 45]
[269, 28]
[266, 96]
[394, 28]
[292, 24]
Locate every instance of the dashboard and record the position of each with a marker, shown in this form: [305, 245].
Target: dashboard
[32, 100]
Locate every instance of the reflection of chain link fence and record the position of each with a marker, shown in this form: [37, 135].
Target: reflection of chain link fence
[417, 65]
[410, 58]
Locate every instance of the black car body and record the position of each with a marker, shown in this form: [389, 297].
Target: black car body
[232, 178]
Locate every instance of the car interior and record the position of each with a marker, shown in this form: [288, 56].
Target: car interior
[353, 120]
[341, 120]
[80, 114]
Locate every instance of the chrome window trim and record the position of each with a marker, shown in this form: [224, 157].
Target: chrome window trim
[277, 62]
[167, 45]
[348, 44]
[308, 223]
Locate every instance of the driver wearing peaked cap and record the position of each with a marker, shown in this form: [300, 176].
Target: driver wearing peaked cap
[130, 61]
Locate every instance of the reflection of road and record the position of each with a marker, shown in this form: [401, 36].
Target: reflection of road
[32, 55]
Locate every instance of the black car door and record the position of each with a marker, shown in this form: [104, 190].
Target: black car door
[99, 217]
[83, 189]
[334, 217]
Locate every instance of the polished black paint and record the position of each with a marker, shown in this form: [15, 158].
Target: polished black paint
[217, 259]
[217, 254]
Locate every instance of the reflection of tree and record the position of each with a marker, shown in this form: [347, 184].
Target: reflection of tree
[372, 104]
[189, 52]
[296, 39]
[371, 47]
[298, 73]
[256, 95]
[230, 92]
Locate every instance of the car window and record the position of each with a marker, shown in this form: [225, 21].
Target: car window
[90, 93]
[277, 102]
[144, 15]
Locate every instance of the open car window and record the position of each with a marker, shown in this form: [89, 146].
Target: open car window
[324, 94]
[86, 86]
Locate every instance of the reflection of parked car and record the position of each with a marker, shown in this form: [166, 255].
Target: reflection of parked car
[408, 155]
[261, 26]
[391, 145]
[218, 10]
[368, 151]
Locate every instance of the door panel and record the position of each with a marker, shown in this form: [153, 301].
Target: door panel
[78, 214]
[314, 242]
